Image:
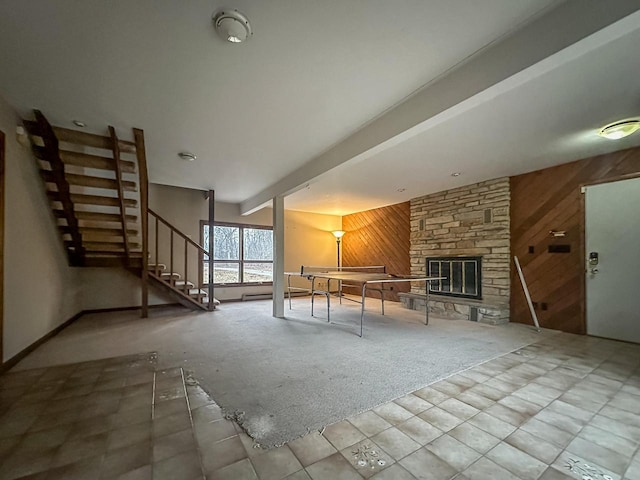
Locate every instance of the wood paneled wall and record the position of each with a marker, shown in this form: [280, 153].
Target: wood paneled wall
[548, 200]
[379, 237]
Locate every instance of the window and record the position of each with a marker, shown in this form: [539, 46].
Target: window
[242, 254]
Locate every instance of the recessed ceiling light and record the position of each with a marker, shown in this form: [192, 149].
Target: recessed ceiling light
[232, 26]
[79, 123]
[187, 156]
[456, 174]
[401, 189]
[620, 129]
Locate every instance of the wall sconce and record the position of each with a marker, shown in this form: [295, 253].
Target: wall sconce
[557, 233]
[338, 234]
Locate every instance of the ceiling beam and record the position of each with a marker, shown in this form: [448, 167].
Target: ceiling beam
[484, 75]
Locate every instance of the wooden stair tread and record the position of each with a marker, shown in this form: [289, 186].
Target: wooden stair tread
[95, 200]
[115, 232]
[103, 246]
[96, 216]
[197, 291]
[105, 239]
[206, 301]
[79, 159]
[170, 274]
[109, 253]
[91, 139]
[80, 138]
[90, 181]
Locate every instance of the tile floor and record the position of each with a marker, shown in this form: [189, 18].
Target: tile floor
[565, 408]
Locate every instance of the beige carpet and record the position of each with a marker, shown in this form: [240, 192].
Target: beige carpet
[283, 378]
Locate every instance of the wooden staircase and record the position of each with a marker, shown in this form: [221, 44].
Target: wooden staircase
[98, 189]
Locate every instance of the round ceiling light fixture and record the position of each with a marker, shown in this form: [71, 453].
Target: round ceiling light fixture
[456, 174]
[187, 156]
[232, 26]
[620, 129]
[79, 123]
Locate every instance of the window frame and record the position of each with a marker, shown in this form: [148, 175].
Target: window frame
[241, 261]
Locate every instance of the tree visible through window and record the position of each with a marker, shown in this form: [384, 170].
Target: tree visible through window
[242, 254]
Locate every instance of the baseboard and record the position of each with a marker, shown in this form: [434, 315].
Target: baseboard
[9, 364]
[124, 309]
[26, 351]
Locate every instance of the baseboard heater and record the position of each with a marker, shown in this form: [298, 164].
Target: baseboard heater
[256, 296]
[246, 297]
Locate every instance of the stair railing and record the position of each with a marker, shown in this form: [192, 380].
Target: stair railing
[176, 241]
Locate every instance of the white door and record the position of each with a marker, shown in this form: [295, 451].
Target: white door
[613, 278]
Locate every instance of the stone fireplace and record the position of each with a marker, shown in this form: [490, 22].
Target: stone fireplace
[463, 234]
[462, 276]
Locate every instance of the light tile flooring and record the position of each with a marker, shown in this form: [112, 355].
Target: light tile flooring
[565, 408]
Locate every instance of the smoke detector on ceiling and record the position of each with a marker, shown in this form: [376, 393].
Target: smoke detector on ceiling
[232, 26]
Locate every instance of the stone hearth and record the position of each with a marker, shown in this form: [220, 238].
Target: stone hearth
[457, 308]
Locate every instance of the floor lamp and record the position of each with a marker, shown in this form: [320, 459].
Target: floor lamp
[338, 234]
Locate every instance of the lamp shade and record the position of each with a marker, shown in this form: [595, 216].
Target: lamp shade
[338, 233]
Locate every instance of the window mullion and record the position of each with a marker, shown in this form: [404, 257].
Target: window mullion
[241, 234]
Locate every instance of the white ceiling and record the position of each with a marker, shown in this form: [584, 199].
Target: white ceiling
[548, 120]
[313, 75]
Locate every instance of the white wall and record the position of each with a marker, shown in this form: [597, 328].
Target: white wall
[308, 240]
[115, 288]
[40, 289]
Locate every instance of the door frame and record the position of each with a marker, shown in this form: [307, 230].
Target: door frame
[583, 238]
[2, 190]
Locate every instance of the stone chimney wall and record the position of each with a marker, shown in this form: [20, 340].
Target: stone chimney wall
[470, 220]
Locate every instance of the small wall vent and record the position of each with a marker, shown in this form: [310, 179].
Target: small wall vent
[488, 215]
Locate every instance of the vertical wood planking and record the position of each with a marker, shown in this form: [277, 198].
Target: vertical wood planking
[379, 237]
[550, 199]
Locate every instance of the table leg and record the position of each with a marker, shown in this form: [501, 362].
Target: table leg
[313, 294]
[328, 298]
[289, 289]
[364, 292]
[426, 320]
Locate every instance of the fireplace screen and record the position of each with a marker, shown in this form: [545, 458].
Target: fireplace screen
[462, 276]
